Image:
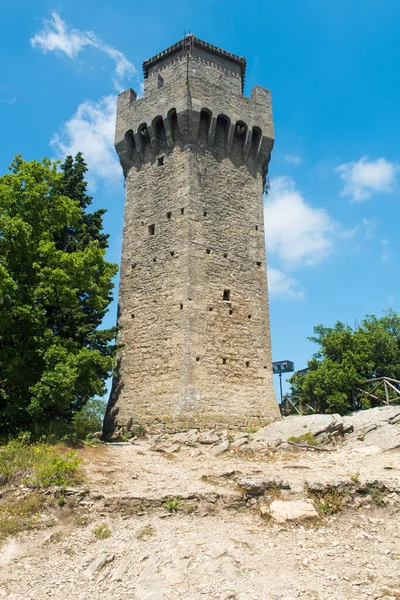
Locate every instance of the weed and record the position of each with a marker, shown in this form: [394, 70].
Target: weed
[355, 478]
[82, 520]
[307, 438]
[70, 552]
[61, 501]
[139, 431]
[38, 465]
[173, 504]
[145, 531]
[102, 532]
[57, 470]
[20, 514]
[329, 502]
[377, 497]
[361, 438]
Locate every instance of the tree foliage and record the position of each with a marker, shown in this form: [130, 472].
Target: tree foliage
[346, 358]
[55, 287]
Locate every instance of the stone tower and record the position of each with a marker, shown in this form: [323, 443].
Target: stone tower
[193, 299]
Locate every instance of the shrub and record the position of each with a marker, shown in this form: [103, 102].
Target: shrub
[38, 465]
[102, 532]
[173, 504]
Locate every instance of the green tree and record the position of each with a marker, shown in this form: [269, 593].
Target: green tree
[55, 288]
[345, 359]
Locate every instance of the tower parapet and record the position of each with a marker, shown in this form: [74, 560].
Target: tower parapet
[193, 294]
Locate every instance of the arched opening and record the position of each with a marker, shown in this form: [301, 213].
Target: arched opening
[239, 139]
[130, 144]
[222, 132]
[204, 125]
[255, 141]
[173, 124]
[159, 133]
[144, 138]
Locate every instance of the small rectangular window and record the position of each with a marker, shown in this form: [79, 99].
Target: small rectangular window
[168, 215]
[152, 229]
[258, 263]
[182, 211]
[160, 161]
[227, 295]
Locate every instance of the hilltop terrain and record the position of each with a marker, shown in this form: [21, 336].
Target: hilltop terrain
[305, 508]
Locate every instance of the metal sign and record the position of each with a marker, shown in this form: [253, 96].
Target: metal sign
[283, 366]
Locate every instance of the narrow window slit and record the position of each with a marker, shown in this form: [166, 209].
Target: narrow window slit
[154, 259]
[172, 253]
[134, 266]
[211, 309]
[197, 358]
[182, 211]
[169, 215]
[181, 306]
[249, 316]
[152, 229]
[160, 161]
[247, 363]
[205, 213]
[225, 255]
[256, 227]
[133, 315]
[231, 312]
[227, 295]
[224, 361]
[208, 250]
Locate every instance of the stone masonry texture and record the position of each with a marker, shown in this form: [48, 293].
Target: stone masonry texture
[193, 299]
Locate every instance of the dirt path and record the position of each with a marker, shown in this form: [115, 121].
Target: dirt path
[216, 546]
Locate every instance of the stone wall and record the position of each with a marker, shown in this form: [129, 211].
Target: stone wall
[193, 301]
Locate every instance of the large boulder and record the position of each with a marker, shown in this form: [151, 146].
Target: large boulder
[305, 427]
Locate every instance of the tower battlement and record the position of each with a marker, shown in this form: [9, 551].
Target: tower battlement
[193, 301]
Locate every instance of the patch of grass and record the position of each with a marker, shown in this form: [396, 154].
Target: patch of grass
[173, 504]
[82, 520]
[37, 465]
[307, 438]
[377, 497]
[273, 493]
[20, 514]
[102, 532]
[328, 502]
[145, 531]
[355, 478]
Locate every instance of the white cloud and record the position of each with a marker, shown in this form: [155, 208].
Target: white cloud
[293, 159]
[297, 233]
[57, 37]
[91, 131]
[364, 177]
[281, 285]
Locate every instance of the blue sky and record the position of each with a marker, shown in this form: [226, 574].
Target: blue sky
[333, 68]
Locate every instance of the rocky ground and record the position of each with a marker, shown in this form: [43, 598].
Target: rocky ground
[308, 507]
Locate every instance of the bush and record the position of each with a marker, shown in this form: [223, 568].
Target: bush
[38, 465]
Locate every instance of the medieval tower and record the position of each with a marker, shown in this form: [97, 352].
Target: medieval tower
[193, 299]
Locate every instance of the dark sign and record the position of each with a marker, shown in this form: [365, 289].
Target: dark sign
[283, 366]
